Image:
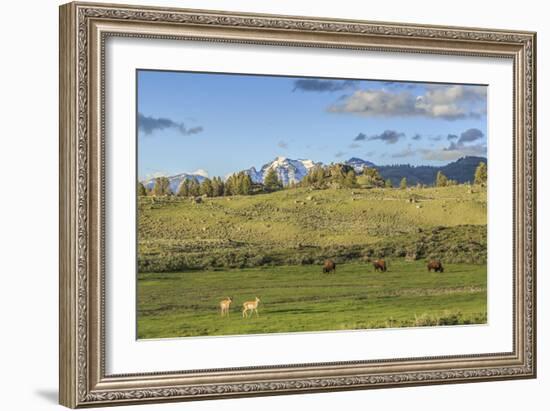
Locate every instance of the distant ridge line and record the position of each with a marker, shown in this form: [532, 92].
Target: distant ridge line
[293, 171]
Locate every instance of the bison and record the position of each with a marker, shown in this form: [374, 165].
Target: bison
[379, 265]
[329, 266]
[436, 266]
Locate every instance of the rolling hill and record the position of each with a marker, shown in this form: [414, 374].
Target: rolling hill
[304, 226]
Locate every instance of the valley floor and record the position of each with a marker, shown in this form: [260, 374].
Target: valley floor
[299, 298]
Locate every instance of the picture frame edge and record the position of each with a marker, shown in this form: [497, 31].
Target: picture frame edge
[80, 371]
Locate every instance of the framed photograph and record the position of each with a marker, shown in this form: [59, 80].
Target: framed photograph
[259, 204]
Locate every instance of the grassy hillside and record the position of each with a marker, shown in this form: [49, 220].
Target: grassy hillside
[303, 226]
[301, 298]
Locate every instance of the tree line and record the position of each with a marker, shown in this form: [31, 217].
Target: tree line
[237, 184]
[318, 177]
[480, 177]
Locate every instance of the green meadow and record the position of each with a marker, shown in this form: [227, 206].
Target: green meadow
[302, 298]
[191, 255]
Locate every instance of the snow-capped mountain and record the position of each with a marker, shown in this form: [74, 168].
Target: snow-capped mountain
[175, 181]
[289, 171]
[358, 164]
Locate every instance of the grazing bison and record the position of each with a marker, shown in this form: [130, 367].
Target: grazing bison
[329, 266]
[379, 265]
[435, 265]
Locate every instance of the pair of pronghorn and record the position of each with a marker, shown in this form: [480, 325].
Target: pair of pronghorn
[249, 307]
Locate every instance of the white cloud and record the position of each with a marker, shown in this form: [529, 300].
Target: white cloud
[454, 152]
[156, 174]
[406, 152]
[439, 101]
[200, 172]
[375, 103]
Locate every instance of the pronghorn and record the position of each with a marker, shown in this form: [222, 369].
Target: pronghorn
[224, 306]
[251, 306]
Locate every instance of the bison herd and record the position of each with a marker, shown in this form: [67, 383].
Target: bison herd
[329, 266]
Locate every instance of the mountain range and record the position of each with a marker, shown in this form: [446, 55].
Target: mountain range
[293, 171]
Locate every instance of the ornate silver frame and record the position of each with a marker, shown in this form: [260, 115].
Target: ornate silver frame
[83, 30]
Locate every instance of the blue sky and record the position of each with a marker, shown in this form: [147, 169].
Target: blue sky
[221, 123]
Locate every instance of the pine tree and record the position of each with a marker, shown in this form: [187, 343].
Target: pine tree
[236, 184]
[388, 183]
[403, 183]
[319, 175]
[350, 180]
[183, 189]
[337, 174]
[161, 187]
[217, 187]
[314, 178]
[227, 187]
[194, 187]
[480, 176]
[441, 180]
[233, 185]
[221, 189]
[245, 184]
[373, 177]
[271, 181]
[141, 190]
[206, 188]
